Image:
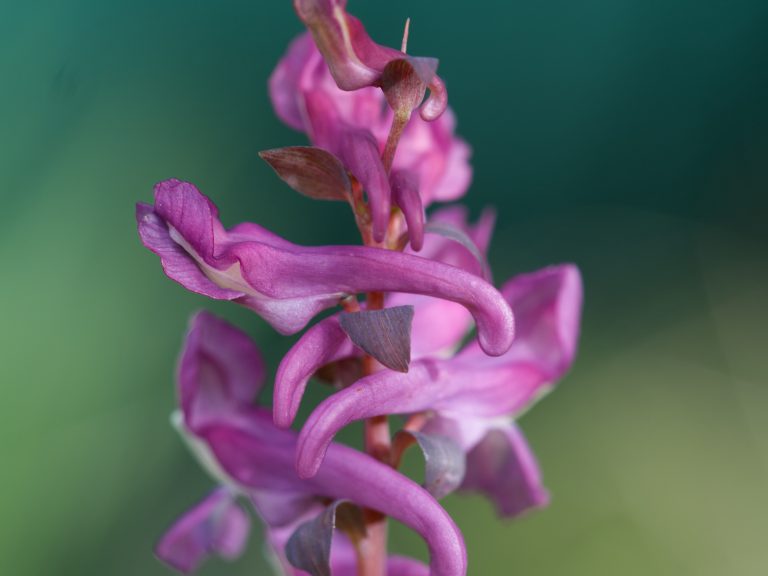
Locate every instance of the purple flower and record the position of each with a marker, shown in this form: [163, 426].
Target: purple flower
[468, 397]
[356, 61]
[287, 284]
[220, 371]
[355, 126]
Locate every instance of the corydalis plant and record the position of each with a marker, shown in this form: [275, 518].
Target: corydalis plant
[406, 301]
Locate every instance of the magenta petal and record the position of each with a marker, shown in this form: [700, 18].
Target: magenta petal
[217, 525]
[288, 284]
[360, 153]
[176, 261]
[405, 194]
[503, 467]
[325, 342]
[219, 370]
[260, 456]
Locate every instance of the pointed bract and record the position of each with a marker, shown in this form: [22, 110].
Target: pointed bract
[384, 334]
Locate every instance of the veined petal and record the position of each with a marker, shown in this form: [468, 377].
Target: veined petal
[220, 370]
[288, 284]
[503, 467]
[217, 525]
[260, 456]
[464, 389]
[323, 343]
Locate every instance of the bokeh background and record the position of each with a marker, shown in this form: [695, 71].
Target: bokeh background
[628, 136]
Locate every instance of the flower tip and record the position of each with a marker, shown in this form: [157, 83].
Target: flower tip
[497, 342]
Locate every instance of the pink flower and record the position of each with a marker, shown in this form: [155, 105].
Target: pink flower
[355, 126]
[288, 284]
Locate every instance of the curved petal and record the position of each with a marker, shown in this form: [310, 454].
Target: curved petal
[466, 389]
[325, 342]
[288, 284]
[259, 455]
[503, 467]
[217, 525]
[219, 369]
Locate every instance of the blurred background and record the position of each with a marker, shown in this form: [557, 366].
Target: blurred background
[628, 136]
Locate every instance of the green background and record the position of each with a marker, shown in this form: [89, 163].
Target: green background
[628, 136]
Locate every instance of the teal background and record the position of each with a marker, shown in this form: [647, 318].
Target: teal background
[628, 136]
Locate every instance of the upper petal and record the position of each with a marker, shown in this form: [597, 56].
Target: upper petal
[217, 525]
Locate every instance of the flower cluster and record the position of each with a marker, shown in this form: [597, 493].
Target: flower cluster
[406, 348]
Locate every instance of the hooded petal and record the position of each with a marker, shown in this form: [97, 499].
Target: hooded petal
[354, 59]
[217, 525]
[259, 456]
[288, 284]
[503, 467]
[219, 370]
